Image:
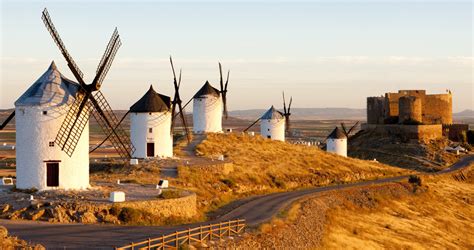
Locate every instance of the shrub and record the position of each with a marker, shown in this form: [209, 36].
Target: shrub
[170, 194]
[415, 180]
[129, 215]
[411, 122]
[229, 182]
[470, 137]
[114, 211]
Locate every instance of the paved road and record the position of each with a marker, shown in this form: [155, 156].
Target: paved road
[255, 210]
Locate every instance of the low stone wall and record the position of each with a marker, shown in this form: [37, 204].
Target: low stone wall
[218, 168]
[184, 207]
[414, 132]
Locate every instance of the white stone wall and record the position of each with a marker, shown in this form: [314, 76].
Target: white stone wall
[275, 128]
[160, 123]
[337, 146]
[34, 131]
[207, 114]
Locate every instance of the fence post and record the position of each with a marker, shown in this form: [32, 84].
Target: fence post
[200, 233]
[220, 228]
[163, 241]
[189, 236]
[177, 240]
[132, 246]
[149, 243]
[210, 232]
[228, 229]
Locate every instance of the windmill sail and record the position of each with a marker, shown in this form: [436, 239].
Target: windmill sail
[9, 118]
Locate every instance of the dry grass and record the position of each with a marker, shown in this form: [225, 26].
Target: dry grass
[440, 217]
[263, 166]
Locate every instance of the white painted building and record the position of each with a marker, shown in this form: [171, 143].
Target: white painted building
[150, 126]
[272, 125]
[337, 143]
[207, 110]
[39, 114]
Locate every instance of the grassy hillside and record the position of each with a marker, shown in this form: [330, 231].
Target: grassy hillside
[260, 165]
[439, 216]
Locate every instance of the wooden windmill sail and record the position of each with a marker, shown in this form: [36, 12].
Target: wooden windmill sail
[286, 112]
[348, 132]
[90, 100]
[177, 101]
[224, 90]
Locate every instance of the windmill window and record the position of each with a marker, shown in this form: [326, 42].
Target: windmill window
[45, 112]
[51, 143]
[149, 113]
[268, 129]
[150, 130]
[269, 136]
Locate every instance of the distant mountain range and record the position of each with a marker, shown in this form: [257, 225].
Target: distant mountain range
[314, 114]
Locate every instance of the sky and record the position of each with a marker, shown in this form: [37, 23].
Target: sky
[323, 53]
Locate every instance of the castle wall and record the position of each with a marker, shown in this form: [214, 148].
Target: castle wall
[413, 132]
[375, 110]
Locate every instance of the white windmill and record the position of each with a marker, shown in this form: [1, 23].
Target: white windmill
[336, 142]
[52, 119]
[209, 104]
[273, 123]
[150, 125]
[39, 112]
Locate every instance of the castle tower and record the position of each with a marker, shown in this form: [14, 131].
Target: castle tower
[337, 143]
[207, 110]
[272, 125]
[410, 110]
[150, 126]
[39, 113]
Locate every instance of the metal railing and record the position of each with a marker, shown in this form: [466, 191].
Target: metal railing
[186, 237]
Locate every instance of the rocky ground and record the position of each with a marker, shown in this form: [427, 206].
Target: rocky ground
[90, 206]
[411, 154]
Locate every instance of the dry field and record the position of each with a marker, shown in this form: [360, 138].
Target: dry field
[438, 214]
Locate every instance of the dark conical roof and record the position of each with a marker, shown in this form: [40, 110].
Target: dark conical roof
[207, 89]
[271, 114]
[151, 102]
[51, 89]
[337, 134]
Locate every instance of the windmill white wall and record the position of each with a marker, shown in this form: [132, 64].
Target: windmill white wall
[39, 114]
[337, 146]
[160, 133]
[207, 114]
[273, 129]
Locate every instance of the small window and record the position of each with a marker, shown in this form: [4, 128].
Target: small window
[51, 143]
[150, 130]
[269, 136]
[149, 113]
[268, 129]
[45, 112]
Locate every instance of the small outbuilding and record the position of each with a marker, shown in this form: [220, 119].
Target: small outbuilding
[337, 142]
[150, 126]
[272, 125]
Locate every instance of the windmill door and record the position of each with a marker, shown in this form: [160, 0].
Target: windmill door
[52, 174]
[150, 149]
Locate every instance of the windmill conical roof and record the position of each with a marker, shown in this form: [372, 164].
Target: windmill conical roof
[207, 89]
[337, 134]
[152, 101]
[51, 89]
[271, 114]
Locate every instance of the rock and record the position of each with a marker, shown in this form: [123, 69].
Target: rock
[17, 214]
[111, 219]
[37, 215]
[88, 218]
[3, 232]
[5, 208]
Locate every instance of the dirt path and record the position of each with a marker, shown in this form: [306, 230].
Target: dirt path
[255, 210]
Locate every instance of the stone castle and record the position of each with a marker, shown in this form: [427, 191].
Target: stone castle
[429, 116]
[410, 107]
